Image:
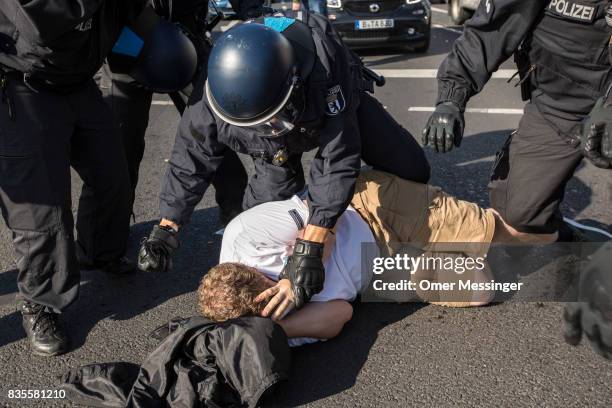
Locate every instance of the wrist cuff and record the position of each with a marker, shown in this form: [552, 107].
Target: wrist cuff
[311, 248]
[448, 92]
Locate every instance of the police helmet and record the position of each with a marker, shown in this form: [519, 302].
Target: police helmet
[256, 74]
[168, 60]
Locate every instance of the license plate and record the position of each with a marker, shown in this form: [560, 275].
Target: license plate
[373, 24]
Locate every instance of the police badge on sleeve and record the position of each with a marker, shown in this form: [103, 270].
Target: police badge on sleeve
[335, 101]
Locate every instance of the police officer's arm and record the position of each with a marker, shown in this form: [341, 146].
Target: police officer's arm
[489, 38]
[334, 170]
[332, 180]
[40, 21]
[194, 160]
[195, 157]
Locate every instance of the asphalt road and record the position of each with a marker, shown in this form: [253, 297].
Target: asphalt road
[390, 354]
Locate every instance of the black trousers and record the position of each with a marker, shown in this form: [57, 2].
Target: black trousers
[530, 174]
[130, 103]
[48, 133]
[385, 145]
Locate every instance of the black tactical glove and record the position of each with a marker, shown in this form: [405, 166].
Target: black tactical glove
[155, 253]
[305, 271]
[592, 314]
[595, 139]
[444, 128]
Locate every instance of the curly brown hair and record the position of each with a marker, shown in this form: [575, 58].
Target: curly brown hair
[229, 290]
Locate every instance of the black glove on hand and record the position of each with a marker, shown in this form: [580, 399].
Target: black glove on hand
[155, 253]
[592, 314]
[444, 128]
[305, 271]
[595, 139]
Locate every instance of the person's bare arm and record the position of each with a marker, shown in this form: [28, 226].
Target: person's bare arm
[320, 320]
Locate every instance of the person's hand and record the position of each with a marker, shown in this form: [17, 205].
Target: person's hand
[305, 270]
[156, 251]
[592, 314]
[595, 139]
[444, 128]
[281, 302]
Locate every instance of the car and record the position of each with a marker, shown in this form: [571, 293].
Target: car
[376, 23]
[225, 8]
[461, 10]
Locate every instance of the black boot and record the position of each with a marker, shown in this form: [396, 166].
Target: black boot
[46, 336]
[121, 266]
[228, 214]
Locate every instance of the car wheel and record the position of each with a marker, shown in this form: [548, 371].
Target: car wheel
[424, 46]
[457, 13]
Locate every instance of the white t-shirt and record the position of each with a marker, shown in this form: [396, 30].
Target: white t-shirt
[263, 237]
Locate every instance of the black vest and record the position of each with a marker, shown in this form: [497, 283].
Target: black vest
[568, 52]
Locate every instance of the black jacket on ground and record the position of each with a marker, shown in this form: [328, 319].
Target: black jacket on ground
[199, 363]
[566, 48]
[61, 44]
[203, 138]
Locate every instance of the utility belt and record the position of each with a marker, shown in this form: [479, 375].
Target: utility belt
[6, 75]
[525, 68]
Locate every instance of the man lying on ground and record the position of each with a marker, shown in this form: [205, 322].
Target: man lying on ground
[385, 210]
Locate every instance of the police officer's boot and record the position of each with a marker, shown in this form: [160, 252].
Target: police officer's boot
[228, 214]
[46, 337]
[120, 266]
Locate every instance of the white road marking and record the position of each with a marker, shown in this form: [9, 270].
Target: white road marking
[492, 111]
[162, 103]
[439, 10]
[229, 25]
[487, 159]
[586, 227]
[432, 73]
[453, 30]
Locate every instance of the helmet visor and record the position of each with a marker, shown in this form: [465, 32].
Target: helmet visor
[283, 118]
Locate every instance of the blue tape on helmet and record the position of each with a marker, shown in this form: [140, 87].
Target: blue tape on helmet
[129, 43]
[279, 24]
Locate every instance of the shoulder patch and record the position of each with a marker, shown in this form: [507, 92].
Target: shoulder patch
[279, 24]
[572, 10]
[129, 43]
[299, 222]
[335, 102]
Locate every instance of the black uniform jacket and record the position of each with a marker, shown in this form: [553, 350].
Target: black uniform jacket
[60, 44]
[328, 124]
[565, 44]
[198, 364]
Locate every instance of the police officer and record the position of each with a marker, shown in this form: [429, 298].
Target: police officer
[130, 100]
[592, 314]
[52, 117]
[561, 47]
[278, 87]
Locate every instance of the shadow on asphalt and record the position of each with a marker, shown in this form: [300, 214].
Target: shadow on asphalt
[122, 298]
[328, 368]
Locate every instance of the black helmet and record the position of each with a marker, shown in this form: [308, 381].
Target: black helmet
[255, 74]
[168, 60]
